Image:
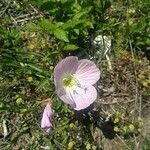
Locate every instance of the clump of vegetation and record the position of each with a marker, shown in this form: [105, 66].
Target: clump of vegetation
[36, 35]
[123, 124]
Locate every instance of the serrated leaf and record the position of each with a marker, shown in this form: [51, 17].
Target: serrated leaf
[71, 47]
[61, 35]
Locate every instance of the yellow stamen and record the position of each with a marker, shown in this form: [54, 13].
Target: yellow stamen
[69, 81]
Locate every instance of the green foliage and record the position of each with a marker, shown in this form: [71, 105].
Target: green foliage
[76, 20]
[70, 47]
[70, 22]
[61, 35]
[30, 50]
[146, 144]
[123, 125]
[144, 78]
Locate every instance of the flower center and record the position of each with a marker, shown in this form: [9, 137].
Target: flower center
[69, 81]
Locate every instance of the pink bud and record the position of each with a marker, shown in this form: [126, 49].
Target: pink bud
[47, 118]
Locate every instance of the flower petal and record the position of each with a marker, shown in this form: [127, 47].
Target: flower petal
[87, 72]
[46, 122]
[65, 96]
[83, 96]
[66, 66]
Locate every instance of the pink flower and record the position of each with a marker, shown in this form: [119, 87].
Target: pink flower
[74, 80]
[46, 122]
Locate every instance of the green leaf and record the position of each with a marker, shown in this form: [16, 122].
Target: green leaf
[35, 68]
[82, 13]
[77, 31]
[72, 23]
[61, 35]
[47, 25]
[71, 47]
